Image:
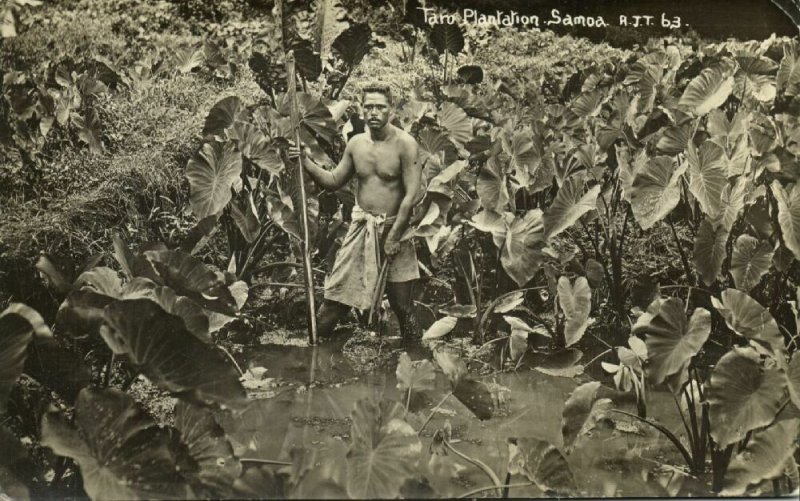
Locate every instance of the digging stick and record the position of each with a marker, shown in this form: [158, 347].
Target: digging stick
[301, 186]
[377, 294]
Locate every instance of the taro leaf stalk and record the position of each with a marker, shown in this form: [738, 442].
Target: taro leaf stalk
[306, 248]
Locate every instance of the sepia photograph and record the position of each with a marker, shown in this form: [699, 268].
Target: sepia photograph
[382, 249]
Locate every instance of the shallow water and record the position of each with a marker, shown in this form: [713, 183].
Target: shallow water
[308, 394]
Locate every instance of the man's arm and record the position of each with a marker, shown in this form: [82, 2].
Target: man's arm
[412, 177]
[332, 179]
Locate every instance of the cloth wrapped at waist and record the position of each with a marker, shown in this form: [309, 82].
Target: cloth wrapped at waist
[355, 273]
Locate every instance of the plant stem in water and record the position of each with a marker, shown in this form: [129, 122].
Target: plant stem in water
[433, 411]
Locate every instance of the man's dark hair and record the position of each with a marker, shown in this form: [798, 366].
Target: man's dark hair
[377, 88]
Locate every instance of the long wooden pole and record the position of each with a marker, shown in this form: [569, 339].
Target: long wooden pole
[301, 186]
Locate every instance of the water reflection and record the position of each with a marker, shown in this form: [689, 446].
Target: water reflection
[315, 388]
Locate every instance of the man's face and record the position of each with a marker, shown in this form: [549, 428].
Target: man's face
[376, 110]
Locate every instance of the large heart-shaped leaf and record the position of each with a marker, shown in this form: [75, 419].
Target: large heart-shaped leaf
[81, 312]
[457, 124]
[750, 261]
[733, 197]
[57, 368]
[522, 254]
[492, 187]
[254, 147]
[561, 363]
[707, 176]
[675, 139]
[169, 355]
[747, 318]
[18, 323]
[384, 452]
[475, 396]
[763, 458]
[353, 43]
[655, 191]
[522, 152]
[223, 115]
[447, 37]
[245, 215]
[672, 339]
[470, 74]
[414, 376]
[269, 73]
[307, 61]
[208, 446]
[318, 470]
[188, 58]
[542, 464]
[789, 215]
[569, 205]
[788, 77]
[190, 277]
[200, 234]
[581, 412]
[314, 117]
[709, 250]
[121, 452]
[212, 172]
[331, 21]
[743, 394]
[710, 89]
[102, 279]
[588, 104]
[755, 78]
[575, 301]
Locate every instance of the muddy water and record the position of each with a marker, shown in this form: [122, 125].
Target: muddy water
[306, 394]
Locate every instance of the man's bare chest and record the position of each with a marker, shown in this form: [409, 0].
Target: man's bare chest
[377, 159]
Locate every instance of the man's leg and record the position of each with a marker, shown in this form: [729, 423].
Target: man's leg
[401, 299]
[328, 317]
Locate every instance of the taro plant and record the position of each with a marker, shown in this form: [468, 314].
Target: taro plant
[743, 403]
[64, 100]
[156, 321]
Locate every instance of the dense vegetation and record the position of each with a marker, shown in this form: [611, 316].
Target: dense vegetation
[639, 204]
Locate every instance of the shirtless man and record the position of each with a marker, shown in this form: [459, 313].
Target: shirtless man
[384, 161]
